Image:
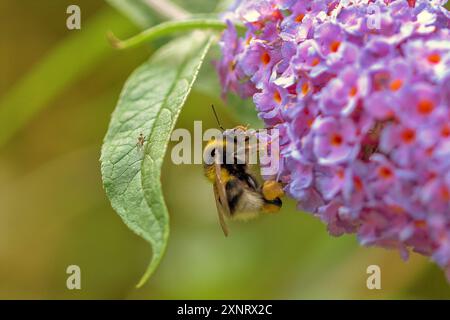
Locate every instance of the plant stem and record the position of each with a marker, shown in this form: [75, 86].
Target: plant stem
[166, 28]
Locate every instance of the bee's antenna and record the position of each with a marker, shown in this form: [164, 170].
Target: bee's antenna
[217, 118]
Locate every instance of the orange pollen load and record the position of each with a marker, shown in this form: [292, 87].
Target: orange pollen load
[425, 106]
[353, 91]
[334, 46]
[396, 84]
[277, 97]
[434, 58]
[385, 172]
[299, 18]
[265, 58]
[408, 135]
[315, 62]
[336, 140]
[305, 88]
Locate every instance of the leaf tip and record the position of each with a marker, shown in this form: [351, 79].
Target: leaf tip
[150, 269]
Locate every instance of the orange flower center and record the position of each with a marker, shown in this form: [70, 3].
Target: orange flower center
[315, 62]
[445, 193]
[353, 91]
[277, 15]
[425, 106]
[299, 18]
[358, 183]
[408, 135]
[434, 58]
[385, 172]
[445, 132]
[265, 58]
[305, 88]
[396, 84]
[336, 140]
[277, 96]
[334, 46]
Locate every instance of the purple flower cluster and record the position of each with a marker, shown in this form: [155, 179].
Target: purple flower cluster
[360, 93]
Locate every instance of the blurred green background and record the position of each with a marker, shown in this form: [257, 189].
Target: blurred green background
[57, 91]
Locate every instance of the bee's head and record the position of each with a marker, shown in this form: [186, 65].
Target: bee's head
[211, 149]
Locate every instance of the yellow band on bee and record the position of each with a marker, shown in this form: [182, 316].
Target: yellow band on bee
[210, 173]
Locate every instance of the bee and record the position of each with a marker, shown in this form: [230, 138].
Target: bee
[237, 193]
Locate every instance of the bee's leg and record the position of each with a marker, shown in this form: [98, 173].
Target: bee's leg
[271, 190]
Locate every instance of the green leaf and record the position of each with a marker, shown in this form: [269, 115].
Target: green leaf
[150, 103]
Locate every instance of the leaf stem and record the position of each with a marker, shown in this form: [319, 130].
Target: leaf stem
[166, 28]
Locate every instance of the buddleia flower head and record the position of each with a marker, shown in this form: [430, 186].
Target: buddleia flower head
[360, 93]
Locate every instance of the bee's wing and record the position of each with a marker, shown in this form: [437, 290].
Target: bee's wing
[220, 211]
[221, 198]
